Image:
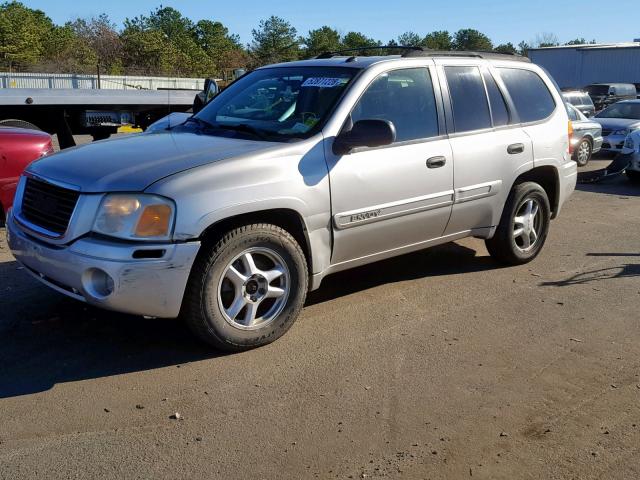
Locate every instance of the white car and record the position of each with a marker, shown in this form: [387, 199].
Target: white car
[632, 150]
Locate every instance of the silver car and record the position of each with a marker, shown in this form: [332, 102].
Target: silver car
[631, 153]
[294, 172]
[587, 136]
[617, 121]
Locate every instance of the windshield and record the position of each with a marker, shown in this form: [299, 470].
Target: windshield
[278, 103]
[621, 110]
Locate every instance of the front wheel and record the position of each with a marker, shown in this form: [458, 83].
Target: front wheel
[247, 289]
[523, 227]
[17, 123]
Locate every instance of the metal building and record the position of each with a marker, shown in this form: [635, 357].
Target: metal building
[574, 66]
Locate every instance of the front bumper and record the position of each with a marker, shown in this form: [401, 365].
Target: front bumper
[151, 287]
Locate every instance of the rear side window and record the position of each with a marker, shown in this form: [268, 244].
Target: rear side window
[529, 93]
[469, 99]
[404, 97]
[499, 110]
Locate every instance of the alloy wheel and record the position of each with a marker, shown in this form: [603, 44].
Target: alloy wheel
[527, 224]
[254, 288]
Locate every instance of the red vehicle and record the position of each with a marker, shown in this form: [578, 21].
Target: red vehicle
[18, 148]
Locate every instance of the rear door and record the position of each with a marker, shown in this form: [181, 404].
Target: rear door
[489, 148]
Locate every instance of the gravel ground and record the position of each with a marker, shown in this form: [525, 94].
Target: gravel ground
[438, 364]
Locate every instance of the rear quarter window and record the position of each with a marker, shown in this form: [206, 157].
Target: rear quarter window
[530, 95]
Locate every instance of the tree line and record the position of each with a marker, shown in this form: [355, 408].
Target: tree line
[165, 42]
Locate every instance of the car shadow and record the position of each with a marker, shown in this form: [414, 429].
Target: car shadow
[618, 185]
[47, 338]
[447, 259]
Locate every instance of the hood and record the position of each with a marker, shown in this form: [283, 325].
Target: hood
[134, 162]
[616, 123]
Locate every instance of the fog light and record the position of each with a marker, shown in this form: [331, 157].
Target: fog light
[97, 283]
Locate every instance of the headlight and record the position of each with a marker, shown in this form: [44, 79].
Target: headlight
[135, 216]
[620, 132]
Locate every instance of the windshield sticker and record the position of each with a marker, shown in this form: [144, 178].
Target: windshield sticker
[324, 82]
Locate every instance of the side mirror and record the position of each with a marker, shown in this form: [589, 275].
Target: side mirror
[211, 89]
[365, 133]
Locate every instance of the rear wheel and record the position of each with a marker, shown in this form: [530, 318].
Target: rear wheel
[16, 123]
[583, 152]
[523, 227]
[247, 289]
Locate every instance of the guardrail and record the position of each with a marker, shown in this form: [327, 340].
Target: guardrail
[107, 82]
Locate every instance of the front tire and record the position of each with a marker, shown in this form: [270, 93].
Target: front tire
[633, 176]
[583, 152]
[248, 289]
[524, 225]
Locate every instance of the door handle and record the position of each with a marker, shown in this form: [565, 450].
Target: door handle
[436, 162]
[515, 148]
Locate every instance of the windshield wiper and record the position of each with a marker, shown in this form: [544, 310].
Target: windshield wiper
[244, 128]
[202, 123]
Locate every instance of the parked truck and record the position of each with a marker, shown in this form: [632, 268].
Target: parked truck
[99, 113]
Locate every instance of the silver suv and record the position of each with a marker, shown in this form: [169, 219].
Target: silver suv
[294, 172]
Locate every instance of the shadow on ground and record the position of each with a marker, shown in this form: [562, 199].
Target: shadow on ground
[46, 338]
[447, 259]
[600, 274]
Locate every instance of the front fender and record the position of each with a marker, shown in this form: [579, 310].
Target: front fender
[297, 181]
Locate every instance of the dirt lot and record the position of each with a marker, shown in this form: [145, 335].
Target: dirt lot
[438, 364]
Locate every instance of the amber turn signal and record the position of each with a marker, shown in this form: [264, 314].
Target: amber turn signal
[154, 221]
[570, 133]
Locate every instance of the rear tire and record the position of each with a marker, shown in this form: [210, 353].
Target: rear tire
[633, 176]
[524, 225]
[247, 289]
[583, 152]
[16, 123]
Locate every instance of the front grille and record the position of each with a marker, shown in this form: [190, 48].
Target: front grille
[48, 206]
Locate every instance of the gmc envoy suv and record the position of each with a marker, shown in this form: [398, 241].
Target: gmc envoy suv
[296, 171]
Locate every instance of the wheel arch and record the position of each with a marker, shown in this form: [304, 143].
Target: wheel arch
[285, 218]
[548, 178]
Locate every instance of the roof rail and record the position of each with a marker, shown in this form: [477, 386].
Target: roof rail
[420, 52]
[361, 49]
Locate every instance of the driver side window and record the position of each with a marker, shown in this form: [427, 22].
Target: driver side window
[405, 98]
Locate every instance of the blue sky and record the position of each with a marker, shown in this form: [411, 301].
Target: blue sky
[502, 20]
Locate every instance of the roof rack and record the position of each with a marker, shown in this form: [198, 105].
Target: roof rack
[361, 49]
[421, 52]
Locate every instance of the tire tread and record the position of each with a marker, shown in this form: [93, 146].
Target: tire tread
[192, 308]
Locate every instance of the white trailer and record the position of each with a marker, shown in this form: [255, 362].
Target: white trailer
[67, 112]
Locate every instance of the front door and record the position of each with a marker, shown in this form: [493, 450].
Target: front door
[387, 198]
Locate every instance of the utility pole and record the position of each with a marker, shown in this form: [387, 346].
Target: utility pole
[98, 68]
